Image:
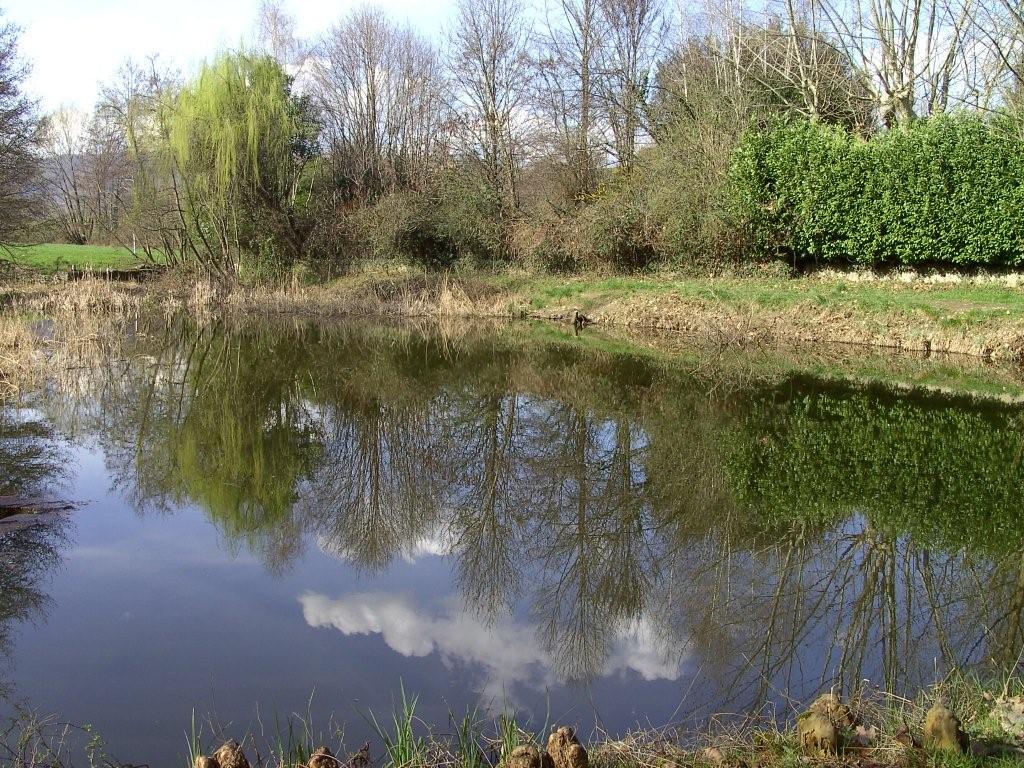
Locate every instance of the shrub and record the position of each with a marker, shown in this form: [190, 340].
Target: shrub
[669, 209]
[464, 217]
[616, 229]
[687, 178]
[550, 243]
[456, 219]
[378, 229]
[946, 190]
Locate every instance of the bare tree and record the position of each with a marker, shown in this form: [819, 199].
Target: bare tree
[782, 62]
[65, 175]
[916, 52]
[276, 35]
[569, 78]
[149, 197]
[635, 33]
[379, 89]
[19, 140]
[999, 75]
[490, 70]
[84, 170]
[791, 60]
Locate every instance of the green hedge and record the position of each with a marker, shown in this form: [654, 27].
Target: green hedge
[946, 190]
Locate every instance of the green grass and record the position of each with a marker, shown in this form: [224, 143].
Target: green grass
[960, 304]
[403, 747]
[56, 257]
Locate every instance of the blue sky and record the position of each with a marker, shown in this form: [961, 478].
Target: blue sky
[74, 44]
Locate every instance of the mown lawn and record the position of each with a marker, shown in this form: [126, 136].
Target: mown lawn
[57, 257]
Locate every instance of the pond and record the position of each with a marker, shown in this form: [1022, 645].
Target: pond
[281, 518]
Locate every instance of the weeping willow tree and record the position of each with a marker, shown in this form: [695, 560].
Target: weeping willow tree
[240, 146]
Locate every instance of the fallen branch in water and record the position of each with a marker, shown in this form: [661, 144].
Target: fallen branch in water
[18, 505]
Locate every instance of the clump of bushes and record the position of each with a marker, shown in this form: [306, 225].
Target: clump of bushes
[945, 190]
[668, 209]
[456, 219]
[617, 229]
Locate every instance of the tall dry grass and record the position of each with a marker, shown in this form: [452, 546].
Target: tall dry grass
[47, 332]
[19, 352]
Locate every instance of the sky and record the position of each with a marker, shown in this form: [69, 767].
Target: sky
[73, 45]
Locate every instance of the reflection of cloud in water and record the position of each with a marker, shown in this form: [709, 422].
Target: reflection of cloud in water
[437, 544]
[510, 653]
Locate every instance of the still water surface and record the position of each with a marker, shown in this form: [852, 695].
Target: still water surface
[493, 518]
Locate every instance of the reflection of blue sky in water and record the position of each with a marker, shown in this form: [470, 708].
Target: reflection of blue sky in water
[413, 525]
[152, 616]
[507, 653]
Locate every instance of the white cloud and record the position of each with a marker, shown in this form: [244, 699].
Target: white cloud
[436, 544]
[75, 44]
[508, 653]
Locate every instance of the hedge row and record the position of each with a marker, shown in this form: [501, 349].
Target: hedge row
[946, 190]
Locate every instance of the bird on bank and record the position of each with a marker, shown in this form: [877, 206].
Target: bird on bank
[580, 320]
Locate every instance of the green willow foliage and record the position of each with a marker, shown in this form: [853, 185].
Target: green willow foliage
[247, 442]
[946, 190]
[240, 142]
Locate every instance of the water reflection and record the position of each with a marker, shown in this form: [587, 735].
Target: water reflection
[31, 464]
[603, 513]
[30, 457]
[510, 653]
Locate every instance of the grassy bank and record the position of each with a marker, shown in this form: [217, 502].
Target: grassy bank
[828, 326]
[977, 317]
[959, 724]
[981, 315]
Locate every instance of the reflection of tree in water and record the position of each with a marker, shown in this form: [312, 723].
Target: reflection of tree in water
[814, 609]
[492, 497]
[596, 564]
[30, 461]
[27, 554]
[30, 465]
[782, 538]
[208, 421]
[907, 513]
